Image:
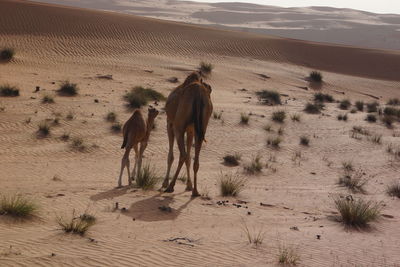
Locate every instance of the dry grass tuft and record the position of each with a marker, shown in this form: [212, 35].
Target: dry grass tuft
[17, 206]
[140, 96]
[279, 116]
[147, 178]
[232, 159]
[288, 256]
[231, 184]
[269, 97]
[255, 166]
[76, 225]
[254, 237]
[393, 190]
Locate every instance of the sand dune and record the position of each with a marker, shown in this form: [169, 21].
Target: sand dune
[56, 43]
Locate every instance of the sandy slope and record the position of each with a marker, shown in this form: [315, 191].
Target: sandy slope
[56, 43]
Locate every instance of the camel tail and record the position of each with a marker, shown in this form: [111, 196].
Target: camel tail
[198, 107]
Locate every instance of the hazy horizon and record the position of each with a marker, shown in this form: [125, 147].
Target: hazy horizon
[382, 7]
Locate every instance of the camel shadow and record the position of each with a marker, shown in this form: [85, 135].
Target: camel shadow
[109, 194]
[155, 208]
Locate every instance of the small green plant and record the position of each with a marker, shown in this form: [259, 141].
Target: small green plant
[372, 107]
[76, 224]
[344, 104]
[111, 116]
[7, 54]
[232, 159]
[206, 68]
[393, 190]
[370, 118]
[147, 179]
[231, 184]
[316, 76]
[255, 166]
[359, 105]
[320, 97]
[244, 118]
[47, 99]
[357, 213]
[304, 140]
[295, 117]
[17, 206]
[43, 129]
[8, 90]
[274, 141]
[279, 116]
[116, 127]
[269, 97]
[140, 96]
[68, 89]
[288, 256]
[256, 237]
[353, 181]
[394, 102]
[313, 108]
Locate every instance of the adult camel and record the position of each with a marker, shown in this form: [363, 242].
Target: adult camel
[188, 110]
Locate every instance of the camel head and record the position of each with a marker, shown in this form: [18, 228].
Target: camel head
[193, 77]
[153, 113]
[206, 85]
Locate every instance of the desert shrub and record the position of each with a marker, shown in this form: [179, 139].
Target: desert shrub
[393, 190]
[244, 118]
[255, 166]
[269, 97]
[147, 179]
[394, 102]
[17, 206]
[68, 89]
[357, 213]
[78, 144]
[231, 184]
[140, 96]
[320, 97]
[232, 159]
[371, 118]
[390, 111]
[288, 256]
[316, 76]
[8, 90]
[206, 67]
[295, 117]
[345, 104]
[313, 108]
[353, 181]
[359, 105]
[116, 127]
[279, 116]
[342, 117]
[43, 129]
[6, 54]
[372, 107]
[111, 116]
[304, 140]
[47, 99]
[89, 218]
[76, 224]
[274, 141]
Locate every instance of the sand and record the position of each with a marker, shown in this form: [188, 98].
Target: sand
[55, 43]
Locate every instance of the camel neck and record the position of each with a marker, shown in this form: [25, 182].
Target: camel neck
[149, 127]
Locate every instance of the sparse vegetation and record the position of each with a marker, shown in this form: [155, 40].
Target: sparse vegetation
[76, 225]
[231, 184]
[78, 144]
[394, 102]
[370, 118]
[279, 116]
[68, 89]
[376, 138]
[217, 115]
[359, 105]
[147, 179]
[140, 96]
[313, 108]
[388, 121]
[353, 181]
[393, 190]
[244, 118]
[269, 97]
[111, 116]
[342, 117]
[206, 67]
[7, 54]
[288, 256]
[320, 97]
[44, 129]
[8, 90]
[357, 213]
[304, 140]
[17, 206]
[295, 117]
[345, 104]
[372, 107]
[274, 141]
[256, 237]
[390, 111]
[47, 99]
[232, 159]
[316, 76]
[347, 166]
[116, 127]
[255, 166]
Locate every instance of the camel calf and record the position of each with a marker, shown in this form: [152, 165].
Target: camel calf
[136, 131]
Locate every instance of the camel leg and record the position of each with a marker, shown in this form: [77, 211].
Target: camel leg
[135, 147]
[189, 142]
[171, 139]
[196, 166]
[182, 158]
[143, 146]
[124, 162]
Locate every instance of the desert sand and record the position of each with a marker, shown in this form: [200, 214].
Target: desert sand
[56, 43]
